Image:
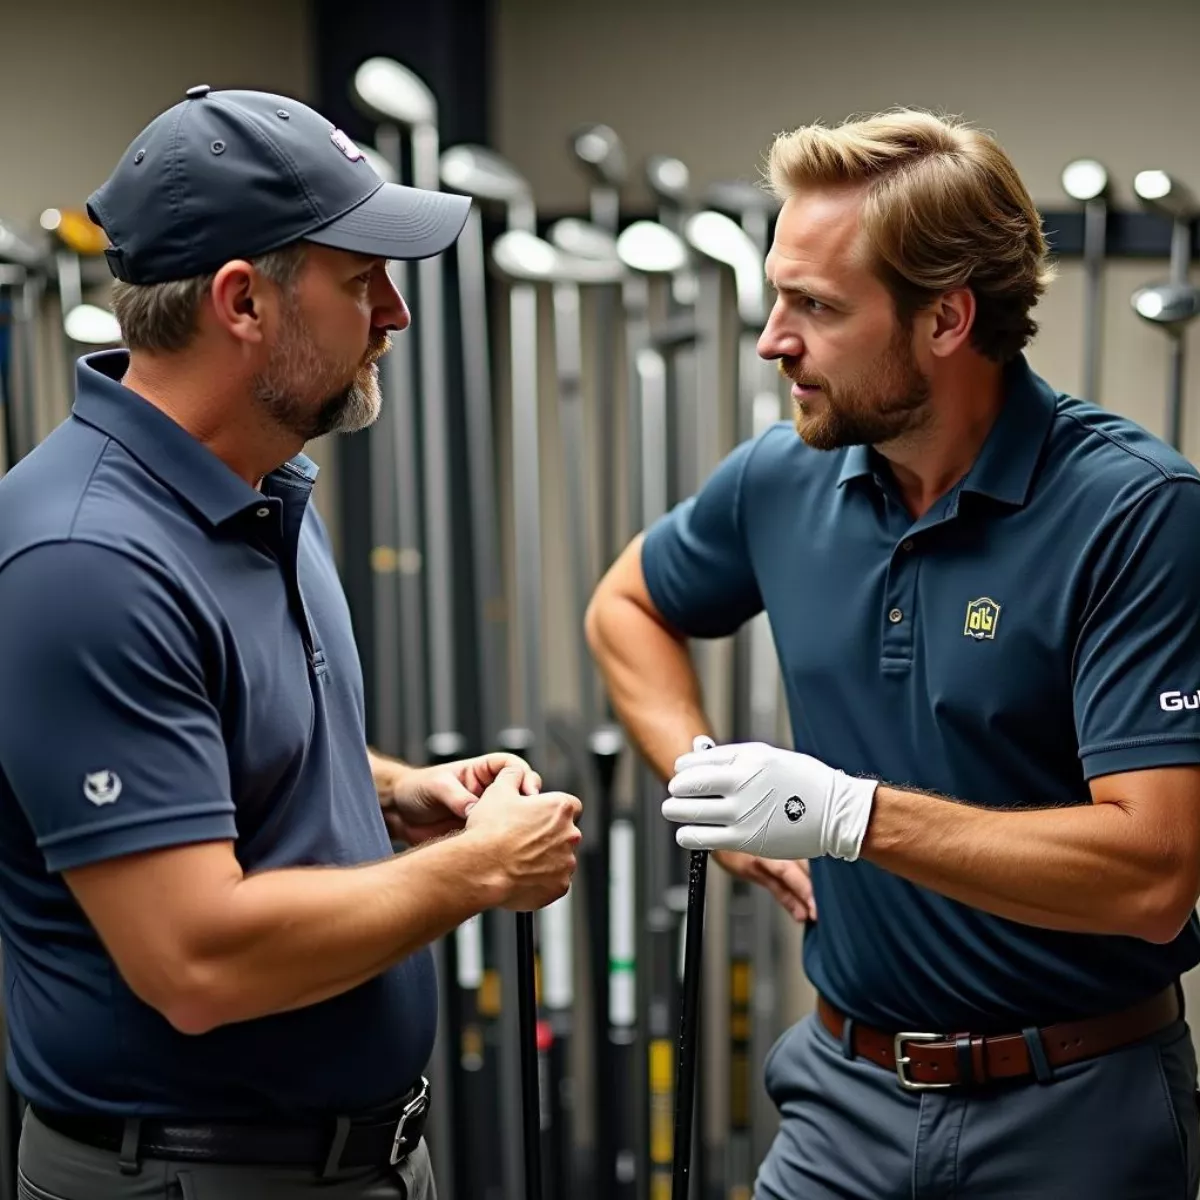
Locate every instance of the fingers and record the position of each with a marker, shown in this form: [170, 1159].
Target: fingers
[488, 768]
[719, 779]
[714, 757]
[709, 837]
[702, 811]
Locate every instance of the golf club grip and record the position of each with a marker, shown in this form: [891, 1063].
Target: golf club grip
[527, 1017]
[689, 1025]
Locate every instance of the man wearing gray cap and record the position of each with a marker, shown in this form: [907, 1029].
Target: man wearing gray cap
[217, 974]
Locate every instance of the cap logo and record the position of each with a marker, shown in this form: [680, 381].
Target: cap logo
[345, 145]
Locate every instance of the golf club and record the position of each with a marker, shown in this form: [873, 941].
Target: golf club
[1161, 193]
[1086, 180]
[689, 1015]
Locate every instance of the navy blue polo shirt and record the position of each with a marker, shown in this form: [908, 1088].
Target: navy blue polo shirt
[177, 665]
[1038, 627]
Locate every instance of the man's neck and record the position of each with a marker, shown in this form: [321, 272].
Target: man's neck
[222, 419]
[929, 462]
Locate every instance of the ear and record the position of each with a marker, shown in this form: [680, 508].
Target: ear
[952, 315]
[241, 298]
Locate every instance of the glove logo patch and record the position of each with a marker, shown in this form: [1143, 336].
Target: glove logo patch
[793, 808]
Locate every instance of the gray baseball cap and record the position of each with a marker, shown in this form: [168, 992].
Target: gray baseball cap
[235, 174]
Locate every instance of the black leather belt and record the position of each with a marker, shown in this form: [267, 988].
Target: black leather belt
[384, 1137]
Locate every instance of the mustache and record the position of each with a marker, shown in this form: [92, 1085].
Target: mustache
[789, 368]
[378, 346]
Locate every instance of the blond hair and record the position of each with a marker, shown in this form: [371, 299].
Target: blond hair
[943, 208]
[161, 318]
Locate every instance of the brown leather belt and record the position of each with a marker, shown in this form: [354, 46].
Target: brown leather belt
[923, 1061]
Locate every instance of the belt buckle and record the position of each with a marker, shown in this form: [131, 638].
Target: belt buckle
[414, 1108]
[902, 1060]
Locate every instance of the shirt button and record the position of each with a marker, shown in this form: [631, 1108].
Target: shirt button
[895, 616]
[907, 544]
[263, 512]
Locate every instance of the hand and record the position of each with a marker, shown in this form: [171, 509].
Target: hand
[768, 802]
[531, 840]
[789, 882]
[422, 803]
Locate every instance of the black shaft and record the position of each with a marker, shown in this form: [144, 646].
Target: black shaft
[689, 1025]
[527, 1015]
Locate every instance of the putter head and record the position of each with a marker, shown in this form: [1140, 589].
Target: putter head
[526, 258]
[1159, 191]
[601, 150]
[1171, 305]
[1085, 179]
[651, 249]
[87, 325]
[386, 90]
[668, 178]
[741, 196]
[722, 239]
[584, 240]
[482, 173]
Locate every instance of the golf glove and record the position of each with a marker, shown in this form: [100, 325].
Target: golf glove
[768, 802]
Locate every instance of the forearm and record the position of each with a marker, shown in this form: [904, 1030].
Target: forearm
[1083, 869]
[650, 679]
[290, 938]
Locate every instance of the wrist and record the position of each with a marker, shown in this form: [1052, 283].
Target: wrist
[851, 802]
[486, 869]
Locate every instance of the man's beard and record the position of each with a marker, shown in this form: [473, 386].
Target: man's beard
[308, 393]
[883, 403]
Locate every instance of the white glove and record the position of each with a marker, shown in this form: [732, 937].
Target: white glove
[769, 802]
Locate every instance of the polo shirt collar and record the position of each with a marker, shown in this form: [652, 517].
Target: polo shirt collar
[164, 447]
[1007, 461]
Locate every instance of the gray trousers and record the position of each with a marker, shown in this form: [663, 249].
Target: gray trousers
[53, 1167]
[1124, 1126]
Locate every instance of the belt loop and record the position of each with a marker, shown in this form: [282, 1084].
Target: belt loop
[334, 1159]
[1042, 1070]
[129, 1161]
[966, 1062]
[848, 1038]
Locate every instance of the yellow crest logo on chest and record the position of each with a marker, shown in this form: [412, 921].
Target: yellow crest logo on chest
[983, 615]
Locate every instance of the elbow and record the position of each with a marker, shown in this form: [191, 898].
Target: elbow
[1163, 910]
[190, 996]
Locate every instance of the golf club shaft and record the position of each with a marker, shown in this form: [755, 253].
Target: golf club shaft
[689, 1026]
[527, 1015]
[1095, 218]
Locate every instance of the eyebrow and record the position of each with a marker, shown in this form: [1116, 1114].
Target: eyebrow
[797, 287]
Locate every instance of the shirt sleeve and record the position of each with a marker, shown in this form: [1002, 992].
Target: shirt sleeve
[1137, 662]
[695, 559]
[109, 740]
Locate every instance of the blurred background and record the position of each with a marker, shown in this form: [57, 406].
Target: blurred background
[620, 384]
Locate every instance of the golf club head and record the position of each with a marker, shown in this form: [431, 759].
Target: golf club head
[379, 164]
[482, 173]
[385, 89]
[584, 240]
[601, 150]
[668, 178]
[1168, 304]
[524, 257]
[16, 250]
[722, 239]
[1159, 191]
[741, 196]
[1085, 179]
[651, 249]
[88, 325]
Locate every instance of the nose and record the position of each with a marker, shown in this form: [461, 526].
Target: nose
[777, 340]
[389, 312]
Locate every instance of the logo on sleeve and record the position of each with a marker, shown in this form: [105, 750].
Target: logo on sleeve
[983, 615]
[1174, 701]
[102, 787]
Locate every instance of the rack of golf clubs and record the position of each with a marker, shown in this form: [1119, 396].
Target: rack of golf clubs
[653, 328]
[1171, 305]
[45, 281]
